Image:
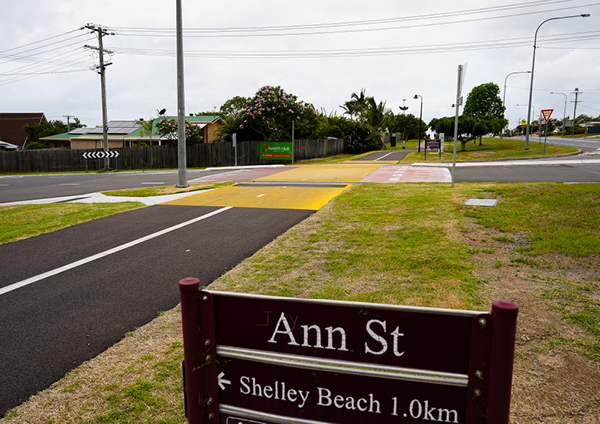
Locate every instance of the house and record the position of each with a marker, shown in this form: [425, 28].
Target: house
[11, 127]
[592, 127]
[129, 133]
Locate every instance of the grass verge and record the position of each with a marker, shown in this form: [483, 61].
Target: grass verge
[411, 244]
[163, 190]
[492, 149]
[22, 221]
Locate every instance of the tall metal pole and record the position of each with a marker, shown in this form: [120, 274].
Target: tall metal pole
[420, 122]
[458, 102]
[504, 93]
[564, 112]
[181, 142]
[586, 15]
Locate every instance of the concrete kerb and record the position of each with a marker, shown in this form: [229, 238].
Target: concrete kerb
[539, 160]
[102, 198]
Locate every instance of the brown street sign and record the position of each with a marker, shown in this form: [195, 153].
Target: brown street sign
[427, 339]
[266, 360]
[433, 144]
[331, 397]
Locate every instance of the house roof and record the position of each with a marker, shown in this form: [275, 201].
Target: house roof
[129, 128]
[11, 126]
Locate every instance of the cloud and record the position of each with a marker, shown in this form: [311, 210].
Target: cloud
[435, 37]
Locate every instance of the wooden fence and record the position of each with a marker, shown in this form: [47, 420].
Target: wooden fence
[161, 157]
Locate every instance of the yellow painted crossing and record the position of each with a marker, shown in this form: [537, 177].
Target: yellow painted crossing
[371, 162]
[270, 196]
[307, 187]
[326, 173]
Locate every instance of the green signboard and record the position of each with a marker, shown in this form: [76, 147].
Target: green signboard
[278, 150]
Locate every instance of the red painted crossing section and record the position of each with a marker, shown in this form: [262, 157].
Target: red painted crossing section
[392, 173]
[408, 174]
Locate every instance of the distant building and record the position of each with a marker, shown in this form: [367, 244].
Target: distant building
[128, 134]
[11, 127]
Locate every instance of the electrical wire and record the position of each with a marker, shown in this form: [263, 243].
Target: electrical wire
[40, 41]
[278, 31]
[424, 49]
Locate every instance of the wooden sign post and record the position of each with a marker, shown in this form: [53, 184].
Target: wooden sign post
[262, 360]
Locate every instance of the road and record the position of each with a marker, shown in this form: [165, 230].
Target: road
[29, 187]
[585, 144]
[67, 296]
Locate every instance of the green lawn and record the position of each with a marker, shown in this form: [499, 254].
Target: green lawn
[492, 149]
[405, 244]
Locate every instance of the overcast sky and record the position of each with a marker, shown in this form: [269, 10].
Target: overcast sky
[320, 50]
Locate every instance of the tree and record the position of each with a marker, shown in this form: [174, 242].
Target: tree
[270, 113]
[43, 129]
[168, 128]
[234, 106]
[377, 117]
[485, 105]
[409, 125]
[231, 126]
[147, 128]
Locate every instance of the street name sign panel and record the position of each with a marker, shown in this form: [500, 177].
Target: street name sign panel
[403, 337]
[433, 144]
[299, 361]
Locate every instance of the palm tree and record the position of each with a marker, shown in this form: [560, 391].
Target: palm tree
[377, 116]
[349, 108]
[147, 128]
[360, 103]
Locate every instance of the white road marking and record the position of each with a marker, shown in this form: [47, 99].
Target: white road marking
[383, 156]
[100, 255]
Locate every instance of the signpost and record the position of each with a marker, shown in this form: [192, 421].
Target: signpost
[547, 113]
[433, 145]
[262, 359]
[276, 150]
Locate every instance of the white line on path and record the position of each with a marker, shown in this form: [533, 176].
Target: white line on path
[384, 156]
[100, 255]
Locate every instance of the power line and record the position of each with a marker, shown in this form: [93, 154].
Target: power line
[423, 49]
[278, 31]
[40, 41]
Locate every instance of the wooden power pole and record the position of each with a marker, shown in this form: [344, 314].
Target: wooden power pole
[101, 70]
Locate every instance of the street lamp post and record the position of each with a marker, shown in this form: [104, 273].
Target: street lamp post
[585, 15]
[564, 113]
[504, 93]
[420, 121]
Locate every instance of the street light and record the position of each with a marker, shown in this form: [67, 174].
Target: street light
[504, 93]
[564, 113]
[585, 15]
[420, 121]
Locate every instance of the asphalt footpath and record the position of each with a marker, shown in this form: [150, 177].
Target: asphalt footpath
[54, 324]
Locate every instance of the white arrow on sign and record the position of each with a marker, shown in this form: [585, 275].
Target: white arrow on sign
[101, 154]
[222, 381]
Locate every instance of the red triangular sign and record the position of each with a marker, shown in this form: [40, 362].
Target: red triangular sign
[547, 113]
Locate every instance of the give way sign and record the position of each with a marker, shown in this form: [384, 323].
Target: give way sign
[547, 113]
